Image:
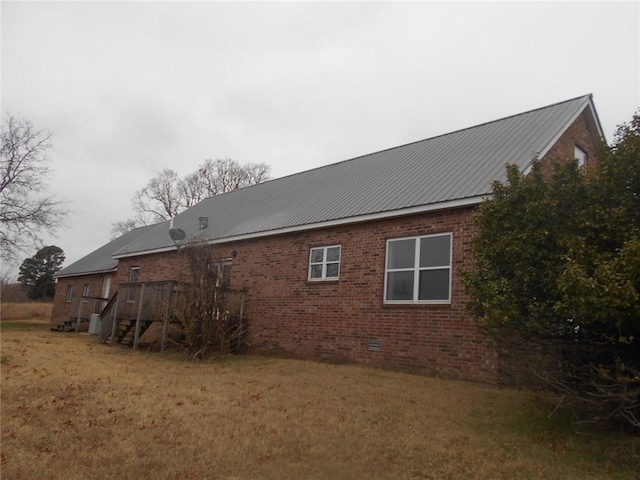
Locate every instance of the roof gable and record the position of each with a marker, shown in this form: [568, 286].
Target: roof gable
[454, 168]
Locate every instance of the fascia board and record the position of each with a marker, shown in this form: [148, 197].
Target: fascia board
[464, 202]
[84, 274]
[544, 151]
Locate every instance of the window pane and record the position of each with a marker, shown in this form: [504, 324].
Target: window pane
[400, 286]
[226, 275]
[401, 254]
[133, 275]
[580, 155]
[332, 269]
[434, 285]
[435, 251]
[316, 255]
[333, 254]
[316, 271]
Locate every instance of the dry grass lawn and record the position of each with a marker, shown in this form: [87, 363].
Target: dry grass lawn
[75, 409]
[31, 311]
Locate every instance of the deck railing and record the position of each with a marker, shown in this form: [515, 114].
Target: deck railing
[141, 302]
[83, 307]
[134, 306]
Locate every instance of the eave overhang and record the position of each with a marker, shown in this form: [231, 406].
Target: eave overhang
[446, 205]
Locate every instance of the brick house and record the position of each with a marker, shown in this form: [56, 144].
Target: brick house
[357, 261]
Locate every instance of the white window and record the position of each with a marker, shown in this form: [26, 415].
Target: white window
[85, 292]
[224, 274]
[324, 263]
[133, 274]
[418, 269]
[69, 293]
[580, 155]
[131, 289]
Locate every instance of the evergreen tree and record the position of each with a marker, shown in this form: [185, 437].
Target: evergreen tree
[36, 273]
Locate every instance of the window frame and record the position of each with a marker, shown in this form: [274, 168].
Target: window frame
[416, 269]
[131, 294]
[86, 290]
[137, 275]
[69, 297]
[224, 274]
[324, 263]
[580, 155]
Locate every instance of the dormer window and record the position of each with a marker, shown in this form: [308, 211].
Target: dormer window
[580, 155]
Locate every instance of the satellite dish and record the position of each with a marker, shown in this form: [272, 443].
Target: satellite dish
[177, 234]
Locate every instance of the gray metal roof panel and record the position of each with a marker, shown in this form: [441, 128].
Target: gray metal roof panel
[457, 165]
[101, 260]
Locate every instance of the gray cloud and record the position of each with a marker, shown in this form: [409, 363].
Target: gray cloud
[130, 88]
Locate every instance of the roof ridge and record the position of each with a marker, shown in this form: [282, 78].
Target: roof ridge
[589, 95]
[432, 173]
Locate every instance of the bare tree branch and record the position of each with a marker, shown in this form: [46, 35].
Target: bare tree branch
[25, 212]
[166, 195]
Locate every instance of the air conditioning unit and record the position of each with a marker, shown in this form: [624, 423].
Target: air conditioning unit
[94, 324]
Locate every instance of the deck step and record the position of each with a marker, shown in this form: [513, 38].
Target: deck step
[126, 331]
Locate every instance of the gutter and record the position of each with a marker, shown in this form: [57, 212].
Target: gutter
[433, 207]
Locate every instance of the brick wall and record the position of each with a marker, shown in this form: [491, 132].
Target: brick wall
[62, 309]
[334, 320]
[154, 268]
[582, 134]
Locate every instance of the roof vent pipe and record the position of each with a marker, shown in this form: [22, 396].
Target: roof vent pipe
[204, 222]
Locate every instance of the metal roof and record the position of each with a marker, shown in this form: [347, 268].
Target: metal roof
[451, 169]
[101, 260]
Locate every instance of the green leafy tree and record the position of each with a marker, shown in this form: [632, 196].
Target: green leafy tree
[36, 273]
[556, 279]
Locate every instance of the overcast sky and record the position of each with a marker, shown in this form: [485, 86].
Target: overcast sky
[130, 88]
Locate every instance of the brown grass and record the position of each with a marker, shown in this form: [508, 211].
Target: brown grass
[75, 409]
[25, 311]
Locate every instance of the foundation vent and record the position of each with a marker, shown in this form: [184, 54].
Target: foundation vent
[374, 345]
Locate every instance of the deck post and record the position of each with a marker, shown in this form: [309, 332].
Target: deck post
[79, 314]
[114, 323]
[165, 326]
[137, 335]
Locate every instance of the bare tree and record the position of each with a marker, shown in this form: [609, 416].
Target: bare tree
[25, 211]
[160, 199]
[166, 195]
[224, 175]
[211, 313]
[120, 228]
[193, 189]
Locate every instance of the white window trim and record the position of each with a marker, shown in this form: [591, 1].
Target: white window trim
[324, 263]
[131, 273]
[222, 280]
[69, 296]
[130, 298]
[86, 289]
[580, 155]
[417, 269]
